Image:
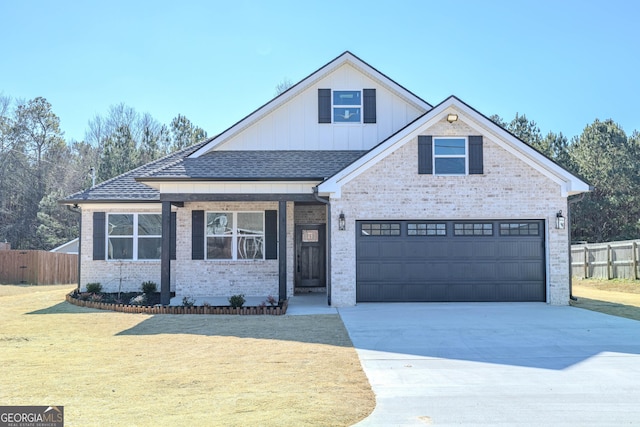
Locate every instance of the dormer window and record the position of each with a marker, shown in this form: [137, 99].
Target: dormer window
[347, 106]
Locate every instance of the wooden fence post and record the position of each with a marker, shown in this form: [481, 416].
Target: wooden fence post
[634, 260]
[609, 263]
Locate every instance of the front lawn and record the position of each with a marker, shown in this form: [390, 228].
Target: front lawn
[617, 297]
[110, 368]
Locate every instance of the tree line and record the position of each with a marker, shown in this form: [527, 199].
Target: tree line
[605, 157]
[38, 167]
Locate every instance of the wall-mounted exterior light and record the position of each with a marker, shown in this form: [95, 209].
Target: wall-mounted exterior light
[451, 117]
[342, 222]
[559, 221]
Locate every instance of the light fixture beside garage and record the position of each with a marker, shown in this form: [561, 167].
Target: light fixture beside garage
[342, 223]
[559, 221]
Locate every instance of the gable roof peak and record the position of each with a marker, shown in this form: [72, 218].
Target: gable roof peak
[346, 57]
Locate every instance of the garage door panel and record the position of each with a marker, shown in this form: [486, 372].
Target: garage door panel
[417, 271]
[508, 270]
[416, 292]
[433, 248]
[390, 271]
[368, 271]
[520, 291]
[483, 248]
[482, 271]
[459, 248]
[392, 249]
[449, 267]
[368, 249]
[462, 292]
[484, 292]
[530, 249]
[531, 271]
[435, 271]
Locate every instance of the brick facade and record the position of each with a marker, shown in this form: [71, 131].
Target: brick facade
[393, 189]
[390, 189]
[116, 276]
[190, 277]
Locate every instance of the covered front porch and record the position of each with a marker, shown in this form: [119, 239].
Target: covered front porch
[289, 255]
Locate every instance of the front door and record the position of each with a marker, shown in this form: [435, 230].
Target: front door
[310, 256]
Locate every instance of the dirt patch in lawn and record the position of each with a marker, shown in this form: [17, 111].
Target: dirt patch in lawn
[110, 368]
[615, 297]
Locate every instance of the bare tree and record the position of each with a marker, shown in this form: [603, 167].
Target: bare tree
[283, 86]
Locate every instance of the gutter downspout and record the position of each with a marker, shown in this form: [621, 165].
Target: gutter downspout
[569, 203]
[72, 209]
[328, 237]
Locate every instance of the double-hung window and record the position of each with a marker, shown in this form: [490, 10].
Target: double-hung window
[347, 106]
[450, 156]
[134, 236]
[235, 235]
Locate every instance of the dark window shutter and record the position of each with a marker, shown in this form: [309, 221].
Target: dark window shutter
[99, 236]
[324, 105]
[475, 155]
[271, 234]
[197, 234]
[369, 99]
[172, 236]
[425, 154]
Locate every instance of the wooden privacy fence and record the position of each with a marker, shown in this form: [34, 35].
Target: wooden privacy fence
[38, 267]
[613, 260]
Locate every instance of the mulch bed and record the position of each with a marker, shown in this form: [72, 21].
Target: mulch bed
[114, 302]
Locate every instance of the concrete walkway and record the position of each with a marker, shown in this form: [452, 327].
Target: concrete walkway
[315, 303]
[508, 364]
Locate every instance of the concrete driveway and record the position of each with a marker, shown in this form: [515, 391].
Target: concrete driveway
[509, 364]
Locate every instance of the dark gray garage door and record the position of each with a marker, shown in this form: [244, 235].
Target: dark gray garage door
[450, 261]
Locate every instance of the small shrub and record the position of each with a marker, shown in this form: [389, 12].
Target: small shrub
[94, 288]
[272, 300]
[206, 304]
[138, 300]
[237, 301]
[84, 296]
[263, 304]
[149, 287]
[95, 297]
[188, 301]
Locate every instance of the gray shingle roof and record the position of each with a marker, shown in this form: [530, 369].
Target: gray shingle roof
[258, 165]
[125, 188]
[218, 165]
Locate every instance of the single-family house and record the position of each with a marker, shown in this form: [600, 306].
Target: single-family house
[346, 184]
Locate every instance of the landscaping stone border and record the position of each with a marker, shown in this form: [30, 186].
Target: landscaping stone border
[126, 308]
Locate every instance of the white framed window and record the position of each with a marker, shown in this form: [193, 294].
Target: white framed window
[450, 156]
[347, 106]
[134, 236]
[234, 235]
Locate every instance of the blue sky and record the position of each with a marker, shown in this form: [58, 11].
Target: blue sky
[562, 63]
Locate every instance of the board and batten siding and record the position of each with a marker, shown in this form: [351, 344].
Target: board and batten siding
[294, 125]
